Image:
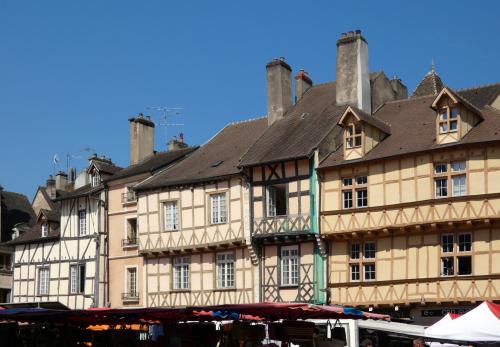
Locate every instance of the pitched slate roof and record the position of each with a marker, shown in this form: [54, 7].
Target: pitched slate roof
[15, 208]
[82, 191]
[413, 126]
[300, 130]
[218, 158]
[372, 120]
[105, 165]
[431, 84]
[34, 235]
[153, 162]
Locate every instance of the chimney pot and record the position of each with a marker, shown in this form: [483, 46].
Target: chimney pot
[343, 35]
[351, 33]
[140, 115]
[302, 83]
[358, 32]
[181, 138]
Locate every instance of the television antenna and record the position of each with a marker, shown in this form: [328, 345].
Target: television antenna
[167, 112]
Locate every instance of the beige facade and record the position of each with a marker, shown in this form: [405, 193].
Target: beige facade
[125, 262]
[428, 250]
[195, 240]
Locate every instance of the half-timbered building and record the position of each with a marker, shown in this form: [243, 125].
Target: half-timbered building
[194, 225]
[410, 203]
[125, 263]
[281, 166]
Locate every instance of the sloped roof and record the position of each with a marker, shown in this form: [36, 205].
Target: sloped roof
[82, 191]
[15, 208]
[53, 216]
[153, 163]
[431, 84]
[372, 120]
[35, 235]
[218, 158]
[105, 165]
[300, 130]
[413, 127]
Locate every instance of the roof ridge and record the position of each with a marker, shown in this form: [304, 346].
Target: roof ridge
[245, 120]
[478, 87]
[413, 98]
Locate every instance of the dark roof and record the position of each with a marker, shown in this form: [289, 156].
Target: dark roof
[34, 235]
[51, 215]
[105, 165]
[218, 158]
[81, 191]
[372, 120]
[413, 127]
[481, 96]
[153, 162]
[300, 130]
[15, 209]
[431, 84]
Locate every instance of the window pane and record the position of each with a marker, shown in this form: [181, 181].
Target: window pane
[447, 266]
[349, 142]
[453, 125]
[347, 182]
[458, 185]
[357, 130]
[82, 222]
[447, 243]
[72, 279]
[369, 252]
[443, 128]
[369, 271]
[355, 250]
[347, 199]
[440, 168]
[81, 284]
[362, 198]
[357, 141]
[171, 215]
[443, 114]
[464, 242]
[441, 187]
[454, 113]
[271, 201]
[464, 265]
[355, 272]
[289, 265]
[361, 180]
[457, 166]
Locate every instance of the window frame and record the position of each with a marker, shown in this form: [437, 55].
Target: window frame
[177, 217]
[361, 261]
[45, 229]
[219, 219]
[448, 111]
[82, 230]
[353, 189]
[456, 253]
[268, 190]
[351, 136]
[95, 179]
[78, 287]
[40, 285]
[226, 279]
[292, 276]
[449, 175]
[183, 268]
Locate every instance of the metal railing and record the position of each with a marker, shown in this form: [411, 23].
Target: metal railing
[282, 224]
[129, 197]
[130, 242]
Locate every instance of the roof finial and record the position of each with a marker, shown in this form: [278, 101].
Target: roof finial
[433, 67]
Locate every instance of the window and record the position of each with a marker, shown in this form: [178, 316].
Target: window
[362, 259]
[289, 266]
[171, 215]
[82, 222]
[95, 179]
[132, 231]
[43, 281]
[456, 258]
[225, 270]
[218, 208]
[181, 273]
[450, 177]
[77, 279]
[353, 136]
[129, 195]
[45, 229]
[276, 200]
[357, 187]
[448, 120]
[131, 282]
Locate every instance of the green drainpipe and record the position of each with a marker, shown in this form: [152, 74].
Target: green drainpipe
[319, 296]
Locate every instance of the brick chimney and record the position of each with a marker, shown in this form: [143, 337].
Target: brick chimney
[302, 83]
[50, 187]
[353, 78]
[142, 131]
[279, 89]
[177, 144]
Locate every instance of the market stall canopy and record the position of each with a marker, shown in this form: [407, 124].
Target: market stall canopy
[482, 324]
[256, 312]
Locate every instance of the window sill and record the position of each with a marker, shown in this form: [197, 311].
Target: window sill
[230, 289]
[180, 290]
[288, 286]
[221, 223]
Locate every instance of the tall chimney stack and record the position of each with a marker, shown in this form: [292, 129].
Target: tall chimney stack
[279, 89]
[61, 180]
[302, 83]
[353, 78]
[142, 140]
[50, 187]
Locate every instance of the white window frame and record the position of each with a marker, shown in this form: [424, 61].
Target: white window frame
[127, 282]
[218, 208]
[225, 267]
[127, 225]
[351, 189]
[43, 285]
[45, 229]
[289, 265]
[271, 201]
[362, 260]
[181, 279]
[95, 179]
[82, 222]
[74, 281]
[447, 173]
[171, 220]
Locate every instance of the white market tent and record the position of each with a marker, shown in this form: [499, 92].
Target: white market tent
[482, 324]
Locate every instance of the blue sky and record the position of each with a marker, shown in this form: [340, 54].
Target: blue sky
[73, 72]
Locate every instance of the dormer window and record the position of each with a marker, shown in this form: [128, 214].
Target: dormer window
[95, 179]
[45, 229]
[353, 136]
[448, 120]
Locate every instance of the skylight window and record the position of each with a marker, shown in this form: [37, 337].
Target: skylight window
[216, 163]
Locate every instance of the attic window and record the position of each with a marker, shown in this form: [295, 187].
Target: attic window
[216, 163]
[45, 229]
[448, 120]
[95, 179]
[353, 136]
